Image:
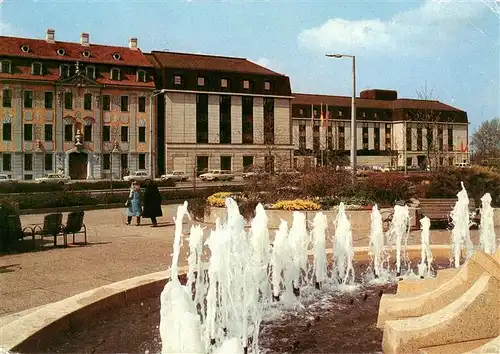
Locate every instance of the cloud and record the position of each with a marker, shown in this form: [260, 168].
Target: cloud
[409, 32]
[263, 62]
[268, 63]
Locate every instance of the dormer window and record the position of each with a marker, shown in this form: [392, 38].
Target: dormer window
[267, 85]
[223, 83]
[115, 74]
[25, 48]
[364, 114]
[36, 69]
[6, 66]
[61, 52]
[86, 53]
[177, 80]
[141, 76]
[246, 84]
[201, 81]
[375, 115]
[64, 70]
[340, 113]
[116, 56]
[90, 72]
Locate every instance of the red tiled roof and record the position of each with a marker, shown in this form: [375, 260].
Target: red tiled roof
[345, 101]
[190, 61]
[41, 49]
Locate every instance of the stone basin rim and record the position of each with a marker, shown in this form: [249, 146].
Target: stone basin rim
[41, 321]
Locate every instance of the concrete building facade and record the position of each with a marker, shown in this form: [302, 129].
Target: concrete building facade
[78, 108]
[221, 113]
[390, 131]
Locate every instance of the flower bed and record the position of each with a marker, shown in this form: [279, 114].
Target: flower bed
[297, 204]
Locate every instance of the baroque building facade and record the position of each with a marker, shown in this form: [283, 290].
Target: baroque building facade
[391, 131]
[80, 108]
[221, 113]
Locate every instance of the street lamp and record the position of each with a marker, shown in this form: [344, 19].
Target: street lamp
[353, 109]
[151, 125]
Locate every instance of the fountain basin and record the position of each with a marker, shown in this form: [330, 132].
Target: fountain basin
[43, 325]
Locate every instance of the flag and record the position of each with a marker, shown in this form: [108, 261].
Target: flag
[321, 116]
[327, 116]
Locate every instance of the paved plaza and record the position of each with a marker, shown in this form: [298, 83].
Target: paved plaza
[115, 252]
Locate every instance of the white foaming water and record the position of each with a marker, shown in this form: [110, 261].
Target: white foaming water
[398, 233]
[460, 235]
[425, 265]
[259, 236]
[298, 239]
[377, 242]
[319, 247]
[487, 236]
[196, 277]
[343, 270]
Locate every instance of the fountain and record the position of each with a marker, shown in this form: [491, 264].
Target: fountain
[425, 265]
[398, 233]
[377, 242]
[319, 248]
[343, 255]
[487, 236]
[299, 240]
[460, 234]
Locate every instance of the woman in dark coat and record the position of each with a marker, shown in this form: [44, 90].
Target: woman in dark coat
[152, 203]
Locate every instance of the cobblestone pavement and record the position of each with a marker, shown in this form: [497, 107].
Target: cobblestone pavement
[115, 252]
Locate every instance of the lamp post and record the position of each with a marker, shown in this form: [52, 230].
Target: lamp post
[151, 131]
[353, 110]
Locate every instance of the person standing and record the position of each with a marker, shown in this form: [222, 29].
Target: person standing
[152, 203]
[134, 203]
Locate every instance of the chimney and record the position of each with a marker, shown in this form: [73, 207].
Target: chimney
[132, 43]
[50, 36]
[84, 39]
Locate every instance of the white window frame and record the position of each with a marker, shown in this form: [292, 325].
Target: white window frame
[267, 85]
[87, 71]
[201, 81]
[111, 74]
[139, 72]
[223, 83]
[177, 80]
[246, 84]
[33, 68]
[10, 67]
[62, 67]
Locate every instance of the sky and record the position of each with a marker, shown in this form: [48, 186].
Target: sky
[448, 50]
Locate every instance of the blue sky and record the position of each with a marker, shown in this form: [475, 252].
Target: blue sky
[450, 46]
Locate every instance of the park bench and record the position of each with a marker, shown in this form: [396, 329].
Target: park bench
[439, 209]
[52, 226]
[16, 231]
[74, 225]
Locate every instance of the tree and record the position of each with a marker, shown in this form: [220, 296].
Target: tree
[486, 142]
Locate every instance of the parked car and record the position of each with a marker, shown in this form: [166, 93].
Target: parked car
[6, 179]
[217, 175]
[175, 176]
[55, 178]
[137, 176]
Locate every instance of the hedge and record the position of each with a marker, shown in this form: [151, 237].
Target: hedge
[33, 187]
[59, 199]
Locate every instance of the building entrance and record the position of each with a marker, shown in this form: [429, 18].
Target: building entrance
[78, 165]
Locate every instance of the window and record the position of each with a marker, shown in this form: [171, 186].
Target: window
[68, 132]
[124, 103]
[225, 119]
[49, 99]
[201, 81]
[7, 131]
[36, 69]
[420, 135]
[268, 120]
[87, 133]
[68, 100]
[142, 134]
[142, 161]
[340, 113]
[7, 98]
[28, 132]
[267, 85]
[87, 101]
[7, 162]
[6, 66]
[408, 138]
[201, 163]
[202, 118]
[247, 119]
[106, 102]
[106, 161]
[28, 162]
[106, 133]
[48, 134]
[301, 112]
[376, 138]
[141, 76]
[365, 137]
[247, 162]
[246, 84]
[28, 99]
[142, 104]
[124, 161]
[90, 71]
[450, 138]
[124, 133]
[223, 83]
[341, 138]
[225, 163]
[115, 74]
[48, 162]
[177, 80]
[64, 70]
